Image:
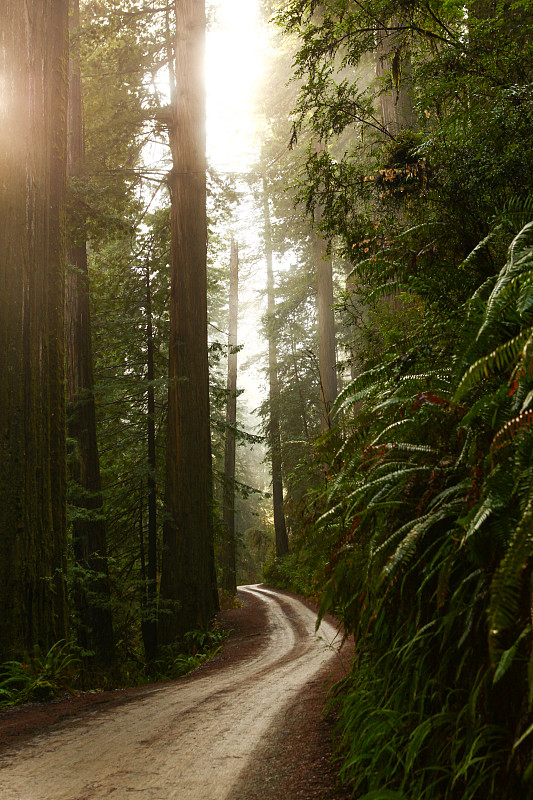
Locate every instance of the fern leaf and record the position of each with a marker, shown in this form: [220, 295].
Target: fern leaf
[392, 426]
[508, 656]
[479, 248]
[440, 375]
[527, 402]
[523, 423]
[517, 246]
[385, 290]
[407, 547]
[501, 358]
[525, 299]
[487, 510]
[411, 448]
[507, 581]
[394, 478]
[365, 380]
[400, 533]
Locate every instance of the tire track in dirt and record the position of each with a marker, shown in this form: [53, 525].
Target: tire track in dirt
[182, 741]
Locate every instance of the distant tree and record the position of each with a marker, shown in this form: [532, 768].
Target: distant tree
[282, 542]
[33, 66]
[228, 556]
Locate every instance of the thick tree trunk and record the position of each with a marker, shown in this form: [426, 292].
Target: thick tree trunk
[89, 541]
[282, 542]
[228, 556]
[393, 58]
[33, 98]
[188, 586]
[327, 358]
[149, 623]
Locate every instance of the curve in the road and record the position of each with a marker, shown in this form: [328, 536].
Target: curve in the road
[187, 740]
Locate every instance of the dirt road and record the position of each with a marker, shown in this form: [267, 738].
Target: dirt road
[192, 739]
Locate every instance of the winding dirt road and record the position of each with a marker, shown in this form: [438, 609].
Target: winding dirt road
[189, 740]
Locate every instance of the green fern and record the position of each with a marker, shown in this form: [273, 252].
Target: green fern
[502, 359]
[507, 581]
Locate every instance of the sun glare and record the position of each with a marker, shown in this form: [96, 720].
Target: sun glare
[234, 62]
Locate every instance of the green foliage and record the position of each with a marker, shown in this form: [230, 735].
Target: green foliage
[417, 530]
[420, 540]
[198, 647]
[40, 677]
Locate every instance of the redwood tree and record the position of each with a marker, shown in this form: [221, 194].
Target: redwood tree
[33, 98]
[228, 556]
[188, 583]
[280, 528]
[91, 590]
[326, 331]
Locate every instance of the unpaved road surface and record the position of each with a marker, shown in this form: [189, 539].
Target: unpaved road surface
[190, 740]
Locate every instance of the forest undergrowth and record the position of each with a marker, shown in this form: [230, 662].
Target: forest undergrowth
[67, 670]
[426, 503]
[417, 526]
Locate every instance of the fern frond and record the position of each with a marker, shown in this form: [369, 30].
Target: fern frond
[503, 357]
[439, 375]
[422, 226]
[514, 275]
[519, 211]
[507, 581]
[444, 496]
[527, 401]
[355, 398]
[517, 246]
[525, 299]
[392, 426]
[508, 656]
[480, 247]
[394, 478]
[463, 456]
[365, 380]
[407, 547]
[335, 510]
[488, 507]
[385, 290]
[523, 423]
[476, 297]
[408, 447]
[401, 532]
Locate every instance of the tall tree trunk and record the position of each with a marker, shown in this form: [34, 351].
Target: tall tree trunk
[393, 58]
[326, 331]
[33, 66]
[282, 542]
[229, 571]
[298, 381]
[149, 623]
[188, 584]
[89, 541]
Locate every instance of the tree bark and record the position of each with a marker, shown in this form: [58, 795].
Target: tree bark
[282, 542]
[327, 358]
[229, 570]
[188, 584]
[149, 622]
[393, 58]
[89, 539]
[33, 97]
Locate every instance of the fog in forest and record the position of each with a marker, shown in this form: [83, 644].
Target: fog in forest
[267, 322]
